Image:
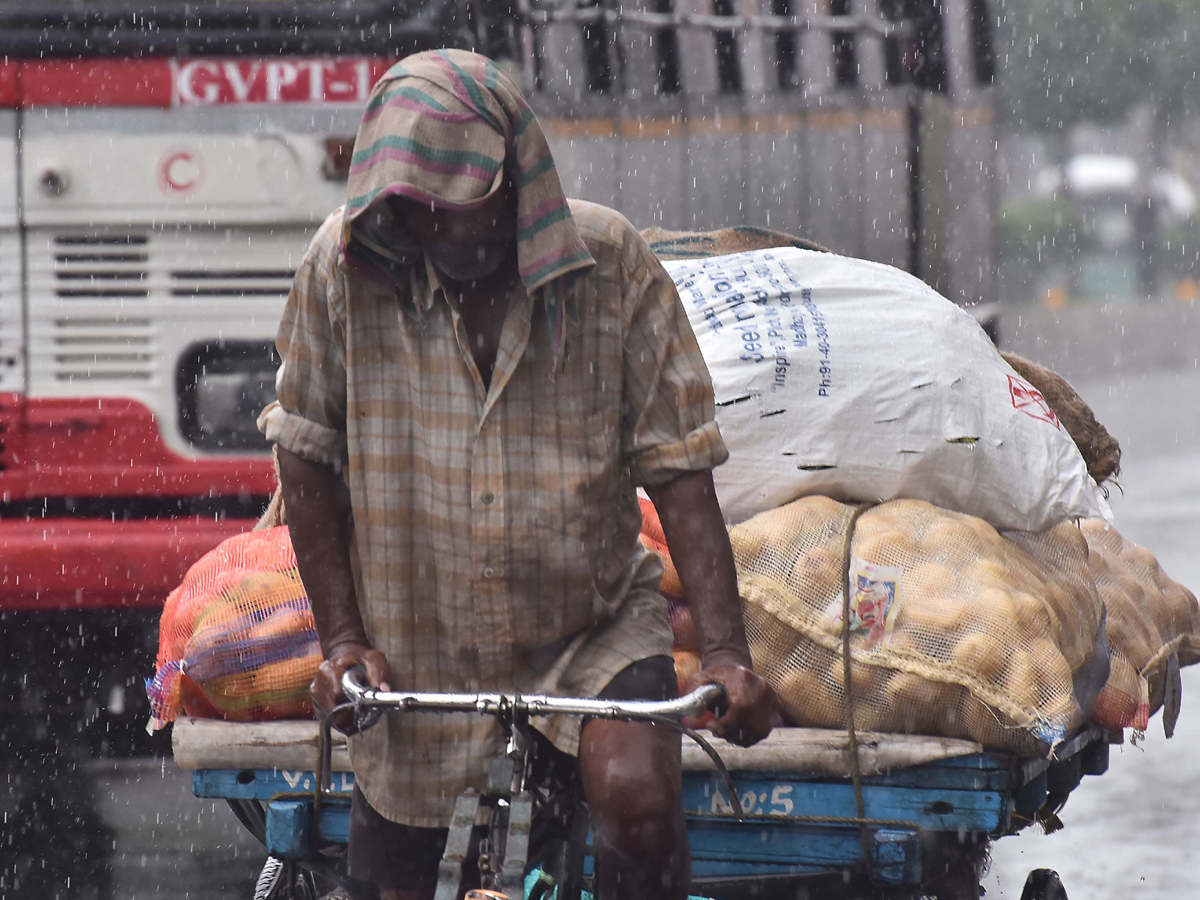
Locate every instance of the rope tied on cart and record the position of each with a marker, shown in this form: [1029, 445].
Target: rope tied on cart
[856, 776]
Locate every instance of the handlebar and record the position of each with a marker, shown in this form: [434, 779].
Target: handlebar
[370, 702]
[363, 696]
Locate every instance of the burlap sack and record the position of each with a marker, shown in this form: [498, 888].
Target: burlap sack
[956, 631]
[1100, 449]
[703, 244]
[1151, 618]
[275, 514]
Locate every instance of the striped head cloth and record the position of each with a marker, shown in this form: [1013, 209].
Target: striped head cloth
[444, 127]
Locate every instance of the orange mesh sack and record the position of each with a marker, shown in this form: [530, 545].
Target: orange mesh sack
[955, 630]
[1151, 619]
[683, 628]
[237, 638]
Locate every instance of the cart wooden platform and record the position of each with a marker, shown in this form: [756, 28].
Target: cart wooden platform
[930, 805]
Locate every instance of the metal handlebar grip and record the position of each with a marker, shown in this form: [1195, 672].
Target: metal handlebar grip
[354, 683]
[716, 698]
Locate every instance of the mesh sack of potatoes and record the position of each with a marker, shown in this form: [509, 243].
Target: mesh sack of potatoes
[237, 639]
[955, 630]
[1151, 618]
[686, 641]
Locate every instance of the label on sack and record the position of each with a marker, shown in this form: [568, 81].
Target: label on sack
[874, 602]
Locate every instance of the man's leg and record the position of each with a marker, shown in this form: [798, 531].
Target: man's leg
[631, 778]
[400, 860]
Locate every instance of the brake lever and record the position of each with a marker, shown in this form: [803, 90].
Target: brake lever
[354, 683]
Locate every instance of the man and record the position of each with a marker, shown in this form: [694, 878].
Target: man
[476, 375]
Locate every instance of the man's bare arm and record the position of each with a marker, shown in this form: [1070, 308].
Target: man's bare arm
[699, 545]
[319, 519]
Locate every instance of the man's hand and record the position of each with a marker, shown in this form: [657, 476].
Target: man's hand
[326, 688]
[753, 707]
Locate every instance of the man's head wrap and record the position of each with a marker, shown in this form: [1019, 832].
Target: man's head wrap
[446, 127]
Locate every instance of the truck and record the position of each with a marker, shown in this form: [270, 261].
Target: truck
[162, 166]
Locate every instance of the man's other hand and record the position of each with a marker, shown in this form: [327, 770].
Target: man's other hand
[327, 686]
[753, 707]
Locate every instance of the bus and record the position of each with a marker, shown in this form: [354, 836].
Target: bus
[162, 166]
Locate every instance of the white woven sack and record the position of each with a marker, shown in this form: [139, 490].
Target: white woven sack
[852, 379]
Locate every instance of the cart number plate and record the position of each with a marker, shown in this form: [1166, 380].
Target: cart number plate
[767, 800]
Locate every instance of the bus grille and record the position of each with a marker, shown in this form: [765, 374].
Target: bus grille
[112, 309]
[12, 327]
[231, 282]
[101, 266]
[103, 348]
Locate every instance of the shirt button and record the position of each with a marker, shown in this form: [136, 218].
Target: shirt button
[489, 572]
[487, 497]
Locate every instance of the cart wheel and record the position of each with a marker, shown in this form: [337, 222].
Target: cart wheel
[1043, 884]
[280, 880]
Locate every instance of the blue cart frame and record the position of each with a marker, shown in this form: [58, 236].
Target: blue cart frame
[927, 826]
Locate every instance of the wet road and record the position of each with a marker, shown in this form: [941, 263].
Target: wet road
[1133, 833]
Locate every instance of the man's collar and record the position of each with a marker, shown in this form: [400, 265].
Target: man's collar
[435, 286]
[435, 283]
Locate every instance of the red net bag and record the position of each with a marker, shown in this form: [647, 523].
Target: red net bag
[686, 642]
[237, 639]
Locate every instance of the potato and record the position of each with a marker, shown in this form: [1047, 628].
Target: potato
[1139, 558]
[1067, 537]
[983, 530]
[1184, 607]
[997, 608]
[873, 523]
[1020, 680]
[985, 725]
[868, 680]
[930, 581]
[893, 514]
[284, 621]
[1066, 608]
[260, 587]
[922, 706]
[817, 575]
[889, 548]
[1032, 615]
[1054, 672]
[823, 509]
[981, 655]
[288, 676]
[950, 538]
[985, 573]
[1063, 708]
[943, 616]
[925, 645]
[807, 700]
[220, 612]
[1126, 623]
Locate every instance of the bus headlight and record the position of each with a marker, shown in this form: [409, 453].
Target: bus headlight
[221, 387]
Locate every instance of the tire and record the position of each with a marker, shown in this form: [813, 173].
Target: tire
[280, 880]
[954, 866]
[1043, 884]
